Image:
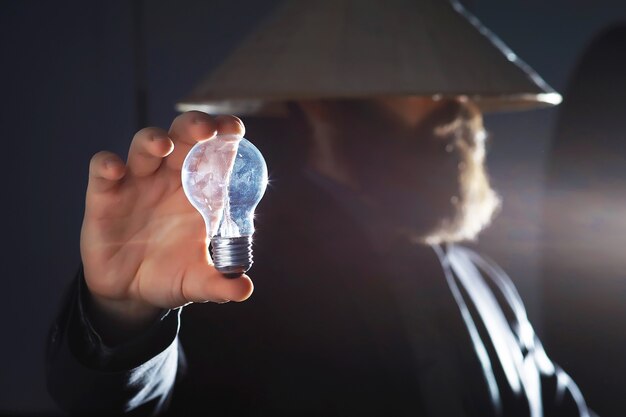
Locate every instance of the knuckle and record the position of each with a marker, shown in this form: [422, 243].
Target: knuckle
[231, 123]
[195, 117]
[148, 133]
[192, 126]
[99, 157]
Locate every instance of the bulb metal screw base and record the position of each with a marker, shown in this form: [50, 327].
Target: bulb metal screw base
[232, 256]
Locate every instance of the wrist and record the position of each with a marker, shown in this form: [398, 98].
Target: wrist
[120, 320]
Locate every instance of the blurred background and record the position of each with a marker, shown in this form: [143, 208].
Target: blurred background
[78, 77]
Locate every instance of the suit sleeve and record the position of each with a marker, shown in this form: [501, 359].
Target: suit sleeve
[87, 377]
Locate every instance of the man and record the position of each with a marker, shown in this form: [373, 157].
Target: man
[365, 305]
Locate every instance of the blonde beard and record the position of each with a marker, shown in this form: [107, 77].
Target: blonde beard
[475, 207]
[463, 216]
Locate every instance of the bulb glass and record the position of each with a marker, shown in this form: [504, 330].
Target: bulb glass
[224, 178]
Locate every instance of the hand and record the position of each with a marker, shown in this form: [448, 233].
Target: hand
[143, 245]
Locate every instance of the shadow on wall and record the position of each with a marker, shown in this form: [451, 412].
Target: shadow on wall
[584, 219]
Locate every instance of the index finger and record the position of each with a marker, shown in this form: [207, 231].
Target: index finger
[186, 130]
[194, 126]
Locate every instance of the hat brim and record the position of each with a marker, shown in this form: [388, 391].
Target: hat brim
[354, 49]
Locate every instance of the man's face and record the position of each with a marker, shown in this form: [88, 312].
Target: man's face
[407, 158]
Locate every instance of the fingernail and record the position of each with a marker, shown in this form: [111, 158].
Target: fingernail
[110, 163]
[159, 138]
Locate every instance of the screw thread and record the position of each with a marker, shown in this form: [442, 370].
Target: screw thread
[232, 256]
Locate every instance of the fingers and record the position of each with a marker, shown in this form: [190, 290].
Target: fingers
[194, 126]
[106, 169]
[147, 150]
[229, 125]
[204, 283]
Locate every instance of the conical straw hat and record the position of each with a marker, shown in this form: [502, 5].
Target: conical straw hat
[310, 49]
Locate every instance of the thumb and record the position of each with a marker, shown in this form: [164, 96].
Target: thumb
[202, 283]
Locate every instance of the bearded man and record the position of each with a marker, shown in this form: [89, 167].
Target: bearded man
[366, 303]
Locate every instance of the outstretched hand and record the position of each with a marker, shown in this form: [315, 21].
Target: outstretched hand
[143, 245]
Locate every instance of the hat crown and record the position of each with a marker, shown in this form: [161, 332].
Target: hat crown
[369, 48]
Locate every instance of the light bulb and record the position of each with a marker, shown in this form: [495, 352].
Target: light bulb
[224, 178]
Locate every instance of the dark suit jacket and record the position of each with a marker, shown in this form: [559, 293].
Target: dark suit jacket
[335, 327]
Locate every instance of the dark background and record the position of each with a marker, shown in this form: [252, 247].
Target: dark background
[79, 77]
